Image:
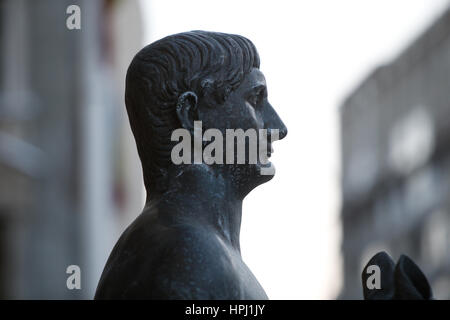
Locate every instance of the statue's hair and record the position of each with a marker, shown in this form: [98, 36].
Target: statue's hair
[210, 64]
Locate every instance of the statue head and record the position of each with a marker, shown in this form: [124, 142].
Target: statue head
[197, 76]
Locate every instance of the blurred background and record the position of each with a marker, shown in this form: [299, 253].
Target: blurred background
[363, 87]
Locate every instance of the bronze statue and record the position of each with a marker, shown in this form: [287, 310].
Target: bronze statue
[185, 243]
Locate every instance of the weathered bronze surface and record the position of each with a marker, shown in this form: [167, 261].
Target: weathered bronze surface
[185, 243]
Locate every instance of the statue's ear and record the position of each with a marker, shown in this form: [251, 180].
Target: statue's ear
[187, 110]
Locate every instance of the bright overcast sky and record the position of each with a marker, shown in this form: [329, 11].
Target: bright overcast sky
[313, 53]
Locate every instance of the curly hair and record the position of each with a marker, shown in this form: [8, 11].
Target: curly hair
[210, 64]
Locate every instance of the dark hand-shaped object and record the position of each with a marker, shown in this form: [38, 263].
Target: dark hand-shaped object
[401, 281]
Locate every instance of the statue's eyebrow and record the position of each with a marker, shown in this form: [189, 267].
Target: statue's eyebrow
[257, 88]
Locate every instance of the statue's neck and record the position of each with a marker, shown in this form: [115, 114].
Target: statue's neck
[199, 196]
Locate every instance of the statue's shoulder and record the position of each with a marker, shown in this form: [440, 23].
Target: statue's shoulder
[197, 266]
[157, 259]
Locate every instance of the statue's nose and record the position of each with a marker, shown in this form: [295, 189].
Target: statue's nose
[273, 122]
[282, 131]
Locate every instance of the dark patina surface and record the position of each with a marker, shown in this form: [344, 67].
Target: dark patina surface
[185, 243]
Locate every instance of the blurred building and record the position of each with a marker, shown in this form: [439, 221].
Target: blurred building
[395, 136]
[70, 179]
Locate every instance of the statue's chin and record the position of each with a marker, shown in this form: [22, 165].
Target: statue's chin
[244, 177]
[266, 172]
[267, 169]
[252, 175]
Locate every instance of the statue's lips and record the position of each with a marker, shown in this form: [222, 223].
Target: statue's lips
[270, 150]
[269, 154]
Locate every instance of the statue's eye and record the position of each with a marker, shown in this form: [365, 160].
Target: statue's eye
[256, 98]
